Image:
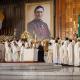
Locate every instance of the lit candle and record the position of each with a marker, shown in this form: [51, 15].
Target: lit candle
[35, 37]
[74, 24]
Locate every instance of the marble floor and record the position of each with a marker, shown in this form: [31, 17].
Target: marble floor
[38, 71]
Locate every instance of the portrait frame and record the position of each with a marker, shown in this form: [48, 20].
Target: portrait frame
[48, 16]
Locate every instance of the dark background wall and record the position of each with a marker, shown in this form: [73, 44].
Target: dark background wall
[14, 12]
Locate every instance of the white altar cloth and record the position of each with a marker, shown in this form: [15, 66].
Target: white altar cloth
[30, 55]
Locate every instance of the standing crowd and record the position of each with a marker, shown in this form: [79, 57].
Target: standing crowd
[15, 50]
[65, 52]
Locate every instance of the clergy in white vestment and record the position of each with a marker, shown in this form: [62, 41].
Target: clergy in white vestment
[22, 52]
[74, 42]
[70, 53]
[59, 41]
[16, 52]
[79, 56]
[66, 42]
[76, 53]
[8, 52]
[61, 52]
[6, 43]
[56, 52]
[19, 43]
[12, 42]
[65, 56]
[50, 53]
[29, 42]
[52, 41]
[6, 49]
[26, 45]
[2, 52]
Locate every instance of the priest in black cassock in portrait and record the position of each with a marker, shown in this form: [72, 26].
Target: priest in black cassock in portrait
[37, 26]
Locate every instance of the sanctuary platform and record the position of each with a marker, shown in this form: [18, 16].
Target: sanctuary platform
[38, 71]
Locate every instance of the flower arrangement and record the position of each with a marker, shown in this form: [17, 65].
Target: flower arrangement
[25, 35]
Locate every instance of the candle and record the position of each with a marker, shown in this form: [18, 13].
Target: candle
[35, 37]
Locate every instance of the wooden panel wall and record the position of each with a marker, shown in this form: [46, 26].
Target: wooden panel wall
[58, 17]
[67, 12]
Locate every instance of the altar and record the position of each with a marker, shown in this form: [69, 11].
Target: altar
[30, 55]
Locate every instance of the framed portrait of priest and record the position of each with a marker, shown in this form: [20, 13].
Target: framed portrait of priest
[39, 19]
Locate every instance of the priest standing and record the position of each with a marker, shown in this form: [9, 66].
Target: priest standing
[76, 53]
[65, 56]
[56, 52]
[71, 53]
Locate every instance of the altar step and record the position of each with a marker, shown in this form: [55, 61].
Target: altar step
[28, 66]
[37, 71]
